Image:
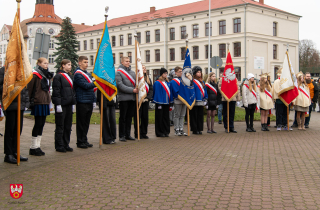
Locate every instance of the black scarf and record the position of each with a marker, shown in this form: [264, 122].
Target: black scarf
[46, 76]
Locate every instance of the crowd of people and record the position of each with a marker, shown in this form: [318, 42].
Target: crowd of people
[77, 93]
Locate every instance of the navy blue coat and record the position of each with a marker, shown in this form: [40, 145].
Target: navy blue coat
[84, 90]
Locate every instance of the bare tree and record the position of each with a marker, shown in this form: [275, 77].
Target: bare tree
[308, 54]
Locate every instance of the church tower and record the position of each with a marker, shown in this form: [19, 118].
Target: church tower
[44, 13]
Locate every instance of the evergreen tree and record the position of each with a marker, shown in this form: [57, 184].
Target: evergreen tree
[68, 44]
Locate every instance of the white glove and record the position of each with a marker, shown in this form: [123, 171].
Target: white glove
[73, 108]
[59, 109]
[171, 108]
[159, 107]
[238, 103]
[207, 107]
[204, 103]
[217, 107]
[25, 109]
[93, 79]
[94, 105]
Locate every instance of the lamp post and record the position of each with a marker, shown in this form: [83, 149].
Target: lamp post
[164, 42]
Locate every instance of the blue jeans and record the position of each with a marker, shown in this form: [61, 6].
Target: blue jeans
[220, 112]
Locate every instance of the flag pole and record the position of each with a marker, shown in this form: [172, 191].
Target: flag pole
[290, 73]
[19, 106]
[137, 83]
[228, 104]
[188, 110]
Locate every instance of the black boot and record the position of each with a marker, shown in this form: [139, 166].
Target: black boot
[262, 127]
[35, 152]
[21, 158]
[248, 129]
[253, 130]
[10, 159]
[266, 127]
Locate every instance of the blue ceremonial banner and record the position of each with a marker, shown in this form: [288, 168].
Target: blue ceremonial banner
[186, 89]
[104, 71]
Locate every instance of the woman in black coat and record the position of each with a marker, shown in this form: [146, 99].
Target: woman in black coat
[214, 99]
[63, 97]
[144, 109]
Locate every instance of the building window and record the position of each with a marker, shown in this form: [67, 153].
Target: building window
[113, 41]
[183, 53]
[98, 43]
[275, 29]
[130, 56]
[114, 58]
[222, 50]
[121, 40]
[172, 34]
[91, 60]
[207, 29]
[51, 44]
[183, 32]
[91, 44]
[195, 52]
[30, 44]
[39, 30]
[4, 49]
[237, 49]
[51, 59]
[195, 31]
[237, 25]
[147, 36]
[147, 55]
[237, 71]
[157, 53]
[172, 54]
[206, 53]
[206, 70]
[79, 46]
[121, 55]
[157, 32]
[30, 58]
[275, 51]
[129, 39]
[1, 48]
[139, 37]
[85, 45]
[222, 27]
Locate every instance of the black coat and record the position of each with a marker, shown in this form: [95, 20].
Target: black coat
[213, 98]
[62, 93]
[150, 93]
[14, 105]
[106, 102]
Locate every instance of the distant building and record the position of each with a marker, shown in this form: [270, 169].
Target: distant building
[45, 21]
[257, 33]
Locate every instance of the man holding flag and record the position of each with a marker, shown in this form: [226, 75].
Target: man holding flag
[230, 95]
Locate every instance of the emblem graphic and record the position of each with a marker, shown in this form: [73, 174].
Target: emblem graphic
[187, 77]
[16, 190]
[229, 75]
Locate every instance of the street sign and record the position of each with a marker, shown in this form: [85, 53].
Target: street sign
[216, 62]
[41, 46]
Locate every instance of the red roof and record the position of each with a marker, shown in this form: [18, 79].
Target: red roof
[174, 11]
[44, 13]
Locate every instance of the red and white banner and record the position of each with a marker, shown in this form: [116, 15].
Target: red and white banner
[254, 94]
[66, 76]
[177, 81]
[199, 86]
[141, 82]
[229, 82]
[212, 88]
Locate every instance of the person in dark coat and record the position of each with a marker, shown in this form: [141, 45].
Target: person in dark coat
[86, 101]
[109, 131]
[214, 99]
[64, 99]
[40, 103]
[144, 109]
[10, 135]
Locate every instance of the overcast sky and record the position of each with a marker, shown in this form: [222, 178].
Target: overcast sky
[92, 12]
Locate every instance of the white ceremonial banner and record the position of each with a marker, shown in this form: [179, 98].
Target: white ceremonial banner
[286, 80]
[141, 83]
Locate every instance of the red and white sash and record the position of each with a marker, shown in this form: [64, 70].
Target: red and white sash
[66, 76]
[255, 95]
[199, 86]
[268, 93]
[133, 82]
[304, 91]
[212, 88]
[177, 81]
[37, 73]
[166, 88]
[87, 78]
[147, 87]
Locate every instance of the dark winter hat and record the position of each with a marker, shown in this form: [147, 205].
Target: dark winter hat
[195, 69]
[162, 71]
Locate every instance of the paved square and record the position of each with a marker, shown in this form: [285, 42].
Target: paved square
[263, 170]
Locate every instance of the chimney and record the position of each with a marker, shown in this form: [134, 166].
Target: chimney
[152, 9]
[82, 24]
[261, 1]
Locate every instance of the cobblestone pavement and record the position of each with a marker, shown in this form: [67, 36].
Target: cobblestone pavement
[263, 170]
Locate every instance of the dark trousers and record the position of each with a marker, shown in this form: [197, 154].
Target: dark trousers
[63, 127]
[39, 122]
[162, 120]
[125, 119]
[109, 131]
[281, 114]
[249, 114]
[84, 112]
[232, 110]
[308, 118]
[196, 118]
[144, 118]
[10, 132]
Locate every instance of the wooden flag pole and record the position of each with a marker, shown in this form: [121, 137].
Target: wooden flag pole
[101, 119]
[288, 116]
[288, 107]
[137, 83]
[18, 108]
[188, 112]
[228, 116]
